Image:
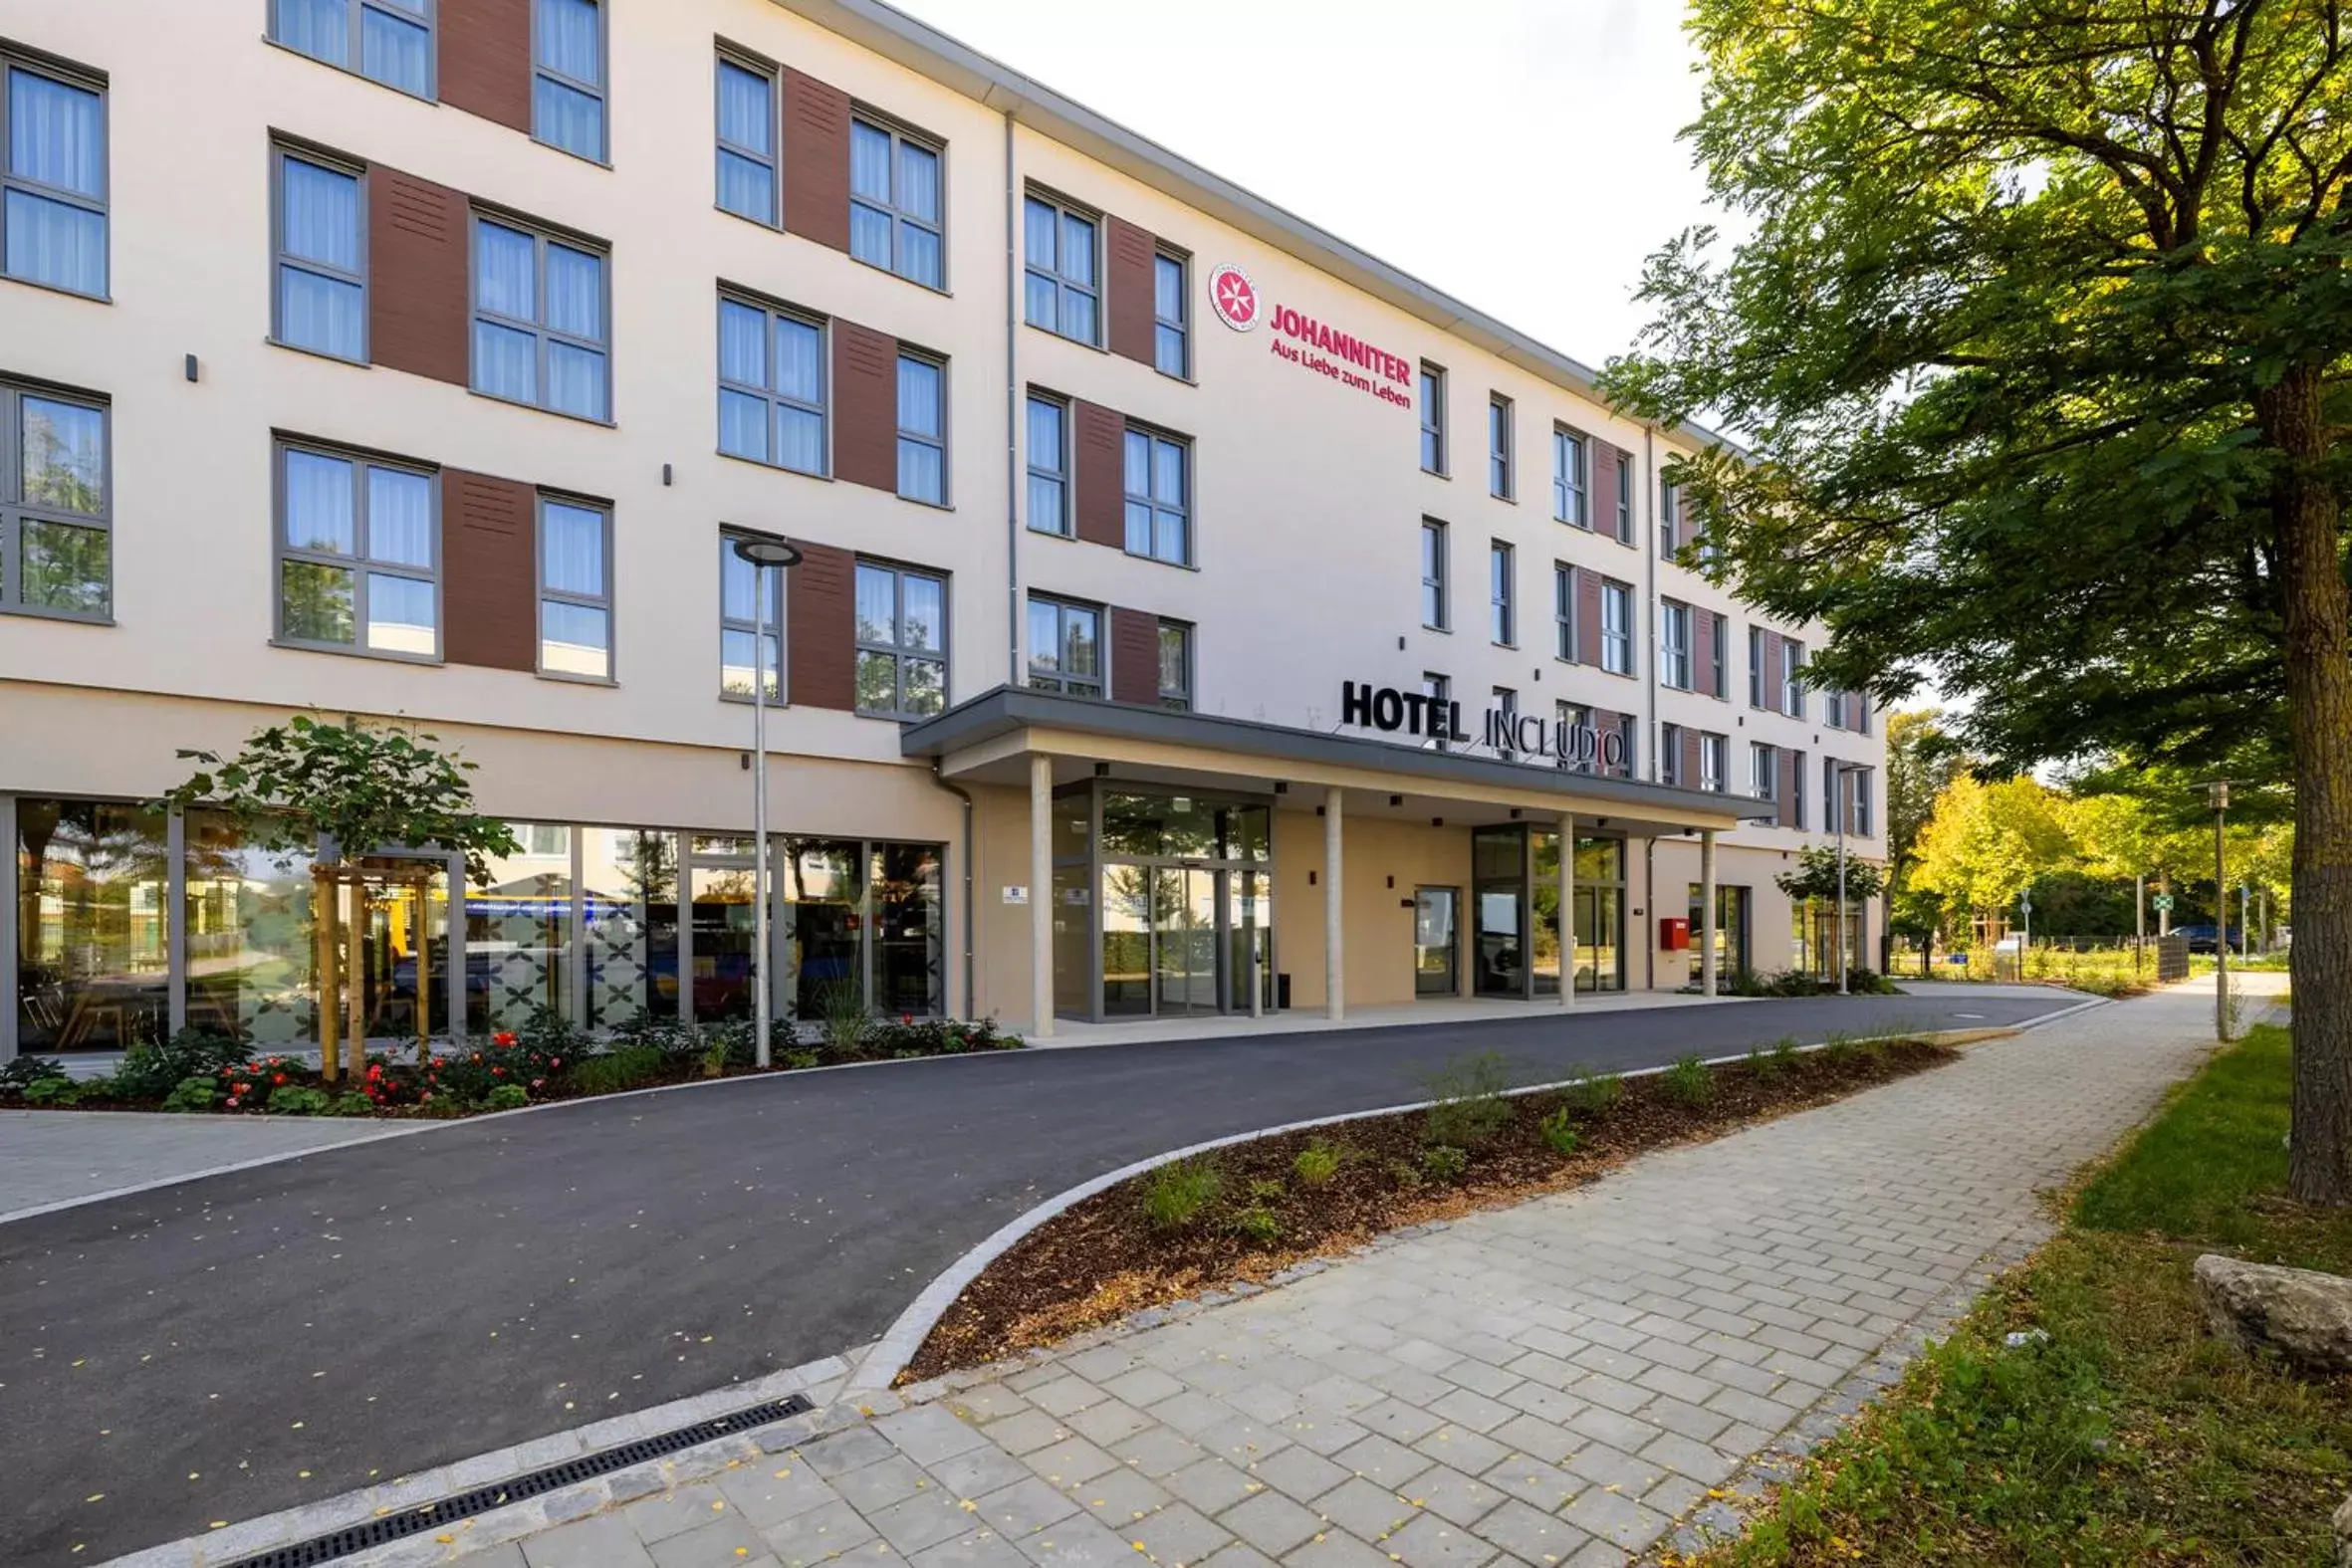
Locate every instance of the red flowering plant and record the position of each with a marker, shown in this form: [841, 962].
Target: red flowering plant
[247, 1085]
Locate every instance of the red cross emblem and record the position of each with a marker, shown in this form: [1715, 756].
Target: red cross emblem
[1234, 297]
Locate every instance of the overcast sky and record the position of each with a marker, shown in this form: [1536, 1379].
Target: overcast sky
[1520, 155]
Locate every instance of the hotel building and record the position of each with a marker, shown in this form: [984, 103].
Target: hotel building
[1194, 613]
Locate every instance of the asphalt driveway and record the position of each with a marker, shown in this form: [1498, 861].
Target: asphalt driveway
[239, 1344]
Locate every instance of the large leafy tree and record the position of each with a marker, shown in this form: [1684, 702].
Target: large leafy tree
[1988, 842]
[2040, 341]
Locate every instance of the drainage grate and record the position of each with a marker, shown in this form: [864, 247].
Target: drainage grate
[403, 1525]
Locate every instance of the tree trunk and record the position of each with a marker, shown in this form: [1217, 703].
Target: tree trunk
[2305, 513]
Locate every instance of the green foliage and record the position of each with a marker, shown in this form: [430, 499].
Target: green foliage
[1266, 1189]
[1444, 1162]
[1174, 1194]
[1403, 1174]
[1987, 842]
[197, 1092]
[898, 1038]
[842, 1013]
[149, 1071]
[59, 1091]
[21, 1073]
[1316, 1164]
[1469, 1104]
[620, 1069]
[1688, 1081]
[505, 1097]
[351, 1103]
[1256, 1224]
[360, 784]
[1558, 1130]
[717, 1050]
[1815, 876]
[801, 1058]
[299, 1099]
[1593, 1092]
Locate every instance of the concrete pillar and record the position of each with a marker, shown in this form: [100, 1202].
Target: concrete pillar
[1041, 896]
[1568, 909]
[1707, 912]
[1334, 913]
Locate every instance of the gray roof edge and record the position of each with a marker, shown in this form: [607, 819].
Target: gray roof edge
[957, 64]
[1003, 709]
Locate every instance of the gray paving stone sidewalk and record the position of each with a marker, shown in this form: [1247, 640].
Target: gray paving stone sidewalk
[54, 1157]
[1554, 1384]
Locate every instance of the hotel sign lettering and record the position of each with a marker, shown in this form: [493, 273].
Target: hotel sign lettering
[1394, 712]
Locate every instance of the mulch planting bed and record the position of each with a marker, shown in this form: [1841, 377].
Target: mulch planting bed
[1105, 1258]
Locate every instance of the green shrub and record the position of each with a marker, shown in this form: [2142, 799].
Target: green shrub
[298, 1099]
[1442, 1162]
[907, 1037]
[1689, 1081]
[23, 1072]
[1469, 1107]
[1559, 1132]
[196, 1092]
[673, 1039]
[351, 1103]
[621, 1068]
[151, 1072]
[845, 1017]
[505, 1097]
[1785, 1054]
[1175, 1194]
[802, 1057]
[1404, 1174]
[1257, 1225]
[1593, 1092]
[1264, 1189]
[715, 1052]
[1316, 1163]
[1839, 1046]
[58, 1091]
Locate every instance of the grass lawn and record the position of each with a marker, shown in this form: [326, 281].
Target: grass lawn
[2129, 1436]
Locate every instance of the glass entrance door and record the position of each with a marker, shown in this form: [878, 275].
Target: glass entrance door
[1436, 914]
[1184, 942]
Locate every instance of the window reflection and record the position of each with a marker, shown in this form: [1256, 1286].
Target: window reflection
[92, 972]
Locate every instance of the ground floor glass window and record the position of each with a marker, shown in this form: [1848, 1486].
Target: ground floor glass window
[93, 966]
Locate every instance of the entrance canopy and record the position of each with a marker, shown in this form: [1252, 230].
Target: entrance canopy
[996, 737]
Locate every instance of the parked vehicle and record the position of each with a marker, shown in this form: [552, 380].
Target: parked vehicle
[2201, 937]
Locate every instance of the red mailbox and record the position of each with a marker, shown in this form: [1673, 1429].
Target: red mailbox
[1674, 933]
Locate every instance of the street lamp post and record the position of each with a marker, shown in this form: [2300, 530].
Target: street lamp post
[760, 552]
[1842, 772]
[2218, 792]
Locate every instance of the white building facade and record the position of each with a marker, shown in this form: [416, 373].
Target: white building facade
[426, 364]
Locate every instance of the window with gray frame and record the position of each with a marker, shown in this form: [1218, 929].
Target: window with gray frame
[359, 562]
[1158, 515]
[1439, 689]
[922, 429]
[1501, 612]
[1500, 478]
[575, 590]
[1756, 676]
[747, 624]
[1048, 465]
[1721, 626]
[1831, 795]
[772, 386]
[1064, 647]
[1792, 668]
[1176, 666]
[1669, 755]
[1669, 520]
[568, 75]
[1715, 762]
[1571, 717]
[53, 177]
[1624, 498]
[1674, 644]
[539, 320]
[1171, 322]
[1432, 418]
[1763, 771]
[901, 641]
[1061, 294]
[1563, 611]
[747, 95]
[1433, 575]
[1507, 704]
[895, 218]
[320, 301]
[386, 40]
[57, 513]
[1616, 627]
[1570, 479]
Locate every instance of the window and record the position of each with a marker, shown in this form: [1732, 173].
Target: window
[1500, 479]
[1833, 710]
[1176, 666]
[1721, 628]
[1501, 621]
[1571, 717]
[539, 321]
[575, 590]
[1048, 465]
[52, 183]
[1792, 664]
[1755, 667]
[771, 389]
[1506, 705]
[1669, 755]
[1624, 498]
[1669, 520]
[1064, 647]
[1440, 692]
[1859, 798]
[356, 553]
[1629, 734]
[747, 139]
[1159, 525]
[1432, 418]
[1763, 771]
[568, 75]
[1568, 454]
[391, 40]
[1858, 712]
[1433, 575]
[894, 210]
[1061, 290]
[1796, 790]
[1674, 644]
[1171, 338]
[1715, 762]
[320, 301]
[922, 429]
[1563, 611]
[55, 505]
[901, 641]
[1616, 627]
[1831, 796]
[743, 617]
